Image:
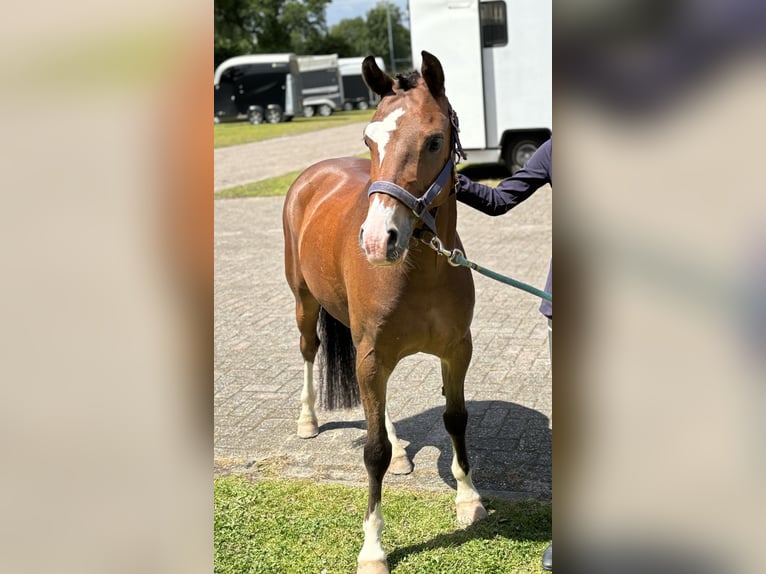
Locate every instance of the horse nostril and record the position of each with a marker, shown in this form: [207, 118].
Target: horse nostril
[361, 236]
[393, 237]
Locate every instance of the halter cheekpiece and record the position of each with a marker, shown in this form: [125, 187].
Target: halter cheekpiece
[420, 205]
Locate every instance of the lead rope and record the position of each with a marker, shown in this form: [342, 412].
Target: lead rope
[456, 257]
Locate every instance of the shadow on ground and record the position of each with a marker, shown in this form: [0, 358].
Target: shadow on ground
[524, 521]
[509, 447]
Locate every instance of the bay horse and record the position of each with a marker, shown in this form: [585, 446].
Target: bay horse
[377, 293]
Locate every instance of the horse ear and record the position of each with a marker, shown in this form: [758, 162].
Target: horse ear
[378, 81]
[433, 74]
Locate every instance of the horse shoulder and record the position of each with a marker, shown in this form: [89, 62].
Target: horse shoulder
[330, 180]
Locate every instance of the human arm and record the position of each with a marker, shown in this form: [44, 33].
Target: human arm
[512, 190]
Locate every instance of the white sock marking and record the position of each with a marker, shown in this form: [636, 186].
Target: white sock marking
[396, 448]
[372, 550]
[466, 492]
[307, 393]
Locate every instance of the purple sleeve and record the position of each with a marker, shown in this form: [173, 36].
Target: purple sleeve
[511, 191]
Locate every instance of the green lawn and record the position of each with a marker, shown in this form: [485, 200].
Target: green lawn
[277, 186]
[264, 188]
[290, 526]
[234, 133]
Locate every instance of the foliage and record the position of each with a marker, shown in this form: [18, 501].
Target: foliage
[273, 26]
[352, 31]
[274, 186]
[234, 29]
[267, 26]
[377, 28]
[298, 526]
[235, 133]
[370, 35]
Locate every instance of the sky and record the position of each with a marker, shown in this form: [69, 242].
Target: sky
[339, 10]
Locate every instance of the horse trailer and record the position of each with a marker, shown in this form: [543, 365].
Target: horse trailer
[498, 57]
[322, 85]
[259, 87]
[357, 93]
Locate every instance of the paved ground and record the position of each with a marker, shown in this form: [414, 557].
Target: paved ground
[241, 164]
[258, 367]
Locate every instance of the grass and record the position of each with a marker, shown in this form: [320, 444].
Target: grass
[278, 186]
[234, 133]
[286, 526]
[273, 186]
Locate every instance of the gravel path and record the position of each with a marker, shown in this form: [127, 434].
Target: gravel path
[241, 164]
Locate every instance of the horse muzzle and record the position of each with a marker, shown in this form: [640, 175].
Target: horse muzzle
[385, 235]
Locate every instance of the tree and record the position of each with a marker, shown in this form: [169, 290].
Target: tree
[267, 26]
[303, 22]
[370, 36]
[377, 30]
[353, 32]
[234, 29]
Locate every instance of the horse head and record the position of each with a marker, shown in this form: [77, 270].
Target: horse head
[411, 144]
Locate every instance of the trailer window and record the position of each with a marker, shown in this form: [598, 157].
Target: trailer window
[494, 24]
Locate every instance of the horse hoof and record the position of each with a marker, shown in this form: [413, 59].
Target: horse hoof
[470, 512]
[372, 567]
[400, 465]
[307, 429]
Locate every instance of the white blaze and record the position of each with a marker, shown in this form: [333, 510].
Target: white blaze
[375, 229]
[380, 132]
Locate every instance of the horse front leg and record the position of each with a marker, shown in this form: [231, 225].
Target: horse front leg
[373, 377]
[454, 368]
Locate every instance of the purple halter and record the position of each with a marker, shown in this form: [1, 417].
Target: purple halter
[420, 205]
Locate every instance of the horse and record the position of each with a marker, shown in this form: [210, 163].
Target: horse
[369, 288]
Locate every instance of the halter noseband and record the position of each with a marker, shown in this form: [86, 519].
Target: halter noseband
[420, 205]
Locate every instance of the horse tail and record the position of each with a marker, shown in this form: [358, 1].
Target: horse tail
[338, 387]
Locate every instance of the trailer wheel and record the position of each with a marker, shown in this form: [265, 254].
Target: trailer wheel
[325, 110]
[274, 114]
[348, 106]
[518, 152]
[308, 111]
[255, 116]
[362, 105]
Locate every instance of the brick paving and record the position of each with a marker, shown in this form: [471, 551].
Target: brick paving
[241, 164]
[258, 366]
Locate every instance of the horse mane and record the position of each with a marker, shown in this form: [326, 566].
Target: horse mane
[408, 81]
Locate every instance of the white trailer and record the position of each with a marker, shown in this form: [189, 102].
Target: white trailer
[356, 93]
[259, 87]
[322, 84]
[496, 56]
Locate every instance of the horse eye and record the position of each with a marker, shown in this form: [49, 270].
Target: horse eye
[435, 144]
[366, 142]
